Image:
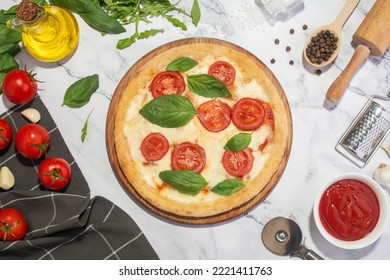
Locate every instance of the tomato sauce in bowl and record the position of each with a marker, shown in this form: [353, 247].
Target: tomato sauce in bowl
[349, 209]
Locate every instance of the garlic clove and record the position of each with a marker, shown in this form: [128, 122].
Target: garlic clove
[7, 179]
[386, 147]
[382, 175]
[32, 115]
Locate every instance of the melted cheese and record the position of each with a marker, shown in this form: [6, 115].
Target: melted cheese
[138, 128]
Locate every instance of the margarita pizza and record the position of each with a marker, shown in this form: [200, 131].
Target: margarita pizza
[200, 129]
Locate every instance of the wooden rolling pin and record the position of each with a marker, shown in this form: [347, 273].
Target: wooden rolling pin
[371, 38]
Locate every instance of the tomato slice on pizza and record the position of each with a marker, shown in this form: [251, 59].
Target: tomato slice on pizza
[238, 163]
[248, 114]
[214, 115]
[167, 82]
[188, 156]
[154, 146]
[223, 71]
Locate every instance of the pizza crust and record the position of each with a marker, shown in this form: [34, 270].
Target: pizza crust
[206, 203]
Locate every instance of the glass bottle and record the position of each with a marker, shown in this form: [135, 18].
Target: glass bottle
[49, 33]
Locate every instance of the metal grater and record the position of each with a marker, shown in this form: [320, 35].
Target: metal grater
[366, 133]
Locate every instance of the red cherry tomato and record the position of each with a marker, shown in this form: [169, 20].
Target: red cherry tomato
[248, 114]
[5, 134]
[223, 71]
[167, 82]
[188, 156]
[13, 226]
[238, 163]
[214, 115]
[19, 86]
[54, 173]
[154, 146]
[32, 140]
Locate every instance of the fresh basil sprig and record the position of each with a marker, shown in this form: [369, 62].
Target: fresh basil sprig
[184, 181]
[228, 187]
[182, 64]
[207, 86]
[92, 14]
[79, 93]
[238, 142]
[171, 110]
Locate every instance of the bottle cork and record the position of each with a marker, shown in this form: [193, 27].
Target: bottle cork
[27, 10]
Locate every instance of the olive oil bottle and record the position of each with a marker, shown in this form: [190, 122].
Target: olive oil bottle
[49, 33]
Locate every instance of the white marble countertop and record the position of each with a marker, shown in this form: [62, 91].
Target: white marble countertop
[316, 130]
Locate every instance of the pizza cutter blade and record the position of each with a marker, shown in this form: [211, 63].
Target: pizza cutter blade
[282, 236]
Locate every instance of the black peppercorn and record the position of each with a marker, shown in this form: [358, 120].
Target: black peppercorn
[321, 47]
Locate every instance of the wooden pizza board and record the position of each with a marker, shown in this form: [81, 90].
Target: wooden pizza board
[110, 141]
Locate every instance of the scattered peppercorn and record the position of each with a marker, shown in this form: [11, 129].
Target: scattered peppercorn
[276, 41]
[304, 27]
[321, 47]
[291, 62]
[288, 49]
[273, 60]
[318, 72]
[292, 31]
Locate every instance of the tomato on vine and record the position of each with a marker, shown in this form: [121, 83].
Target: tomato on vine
[13, 225]
[19, 86]
[32, 141]
[54, 173]
[5, 134]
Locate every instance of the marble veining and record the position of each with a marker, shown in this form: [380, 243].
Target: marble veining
[316, 129]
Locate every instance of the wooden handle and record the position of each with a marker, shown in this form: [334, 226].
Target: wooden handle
[337, 89]
[344, 14]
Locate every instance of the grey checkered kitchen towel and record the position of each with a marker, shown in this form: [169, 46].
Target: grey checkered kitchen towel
[64, 224]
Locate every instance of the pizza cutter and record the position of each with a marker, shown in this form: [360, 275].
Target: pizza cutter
[282, 236]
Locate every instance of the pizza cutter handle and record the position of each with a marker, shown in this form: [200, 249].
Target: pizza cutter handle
[306, 254]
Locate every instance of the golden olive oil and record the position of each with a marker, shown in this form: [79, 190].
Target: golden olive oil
[53, 36]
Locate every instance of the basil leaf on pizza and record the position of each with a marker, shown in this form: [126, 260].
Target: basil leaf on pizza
[238, 142]
[184, 181]
[207, 86]
[169, 111]
[181, 64]
[228, 187]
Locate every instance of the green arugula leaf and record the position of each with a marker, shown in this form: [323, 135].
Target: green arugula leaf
[85, 127]
[195, 12]
[238, 142]
[149, 33]
[184, 181]
[228, 187]
[207, 86]
[182, 64]
[127, 42]
[176, 22]
[169, 111]
[80, 92]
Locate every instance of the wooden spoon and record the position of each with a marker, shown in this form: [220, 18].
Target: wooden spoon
[335, 28]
